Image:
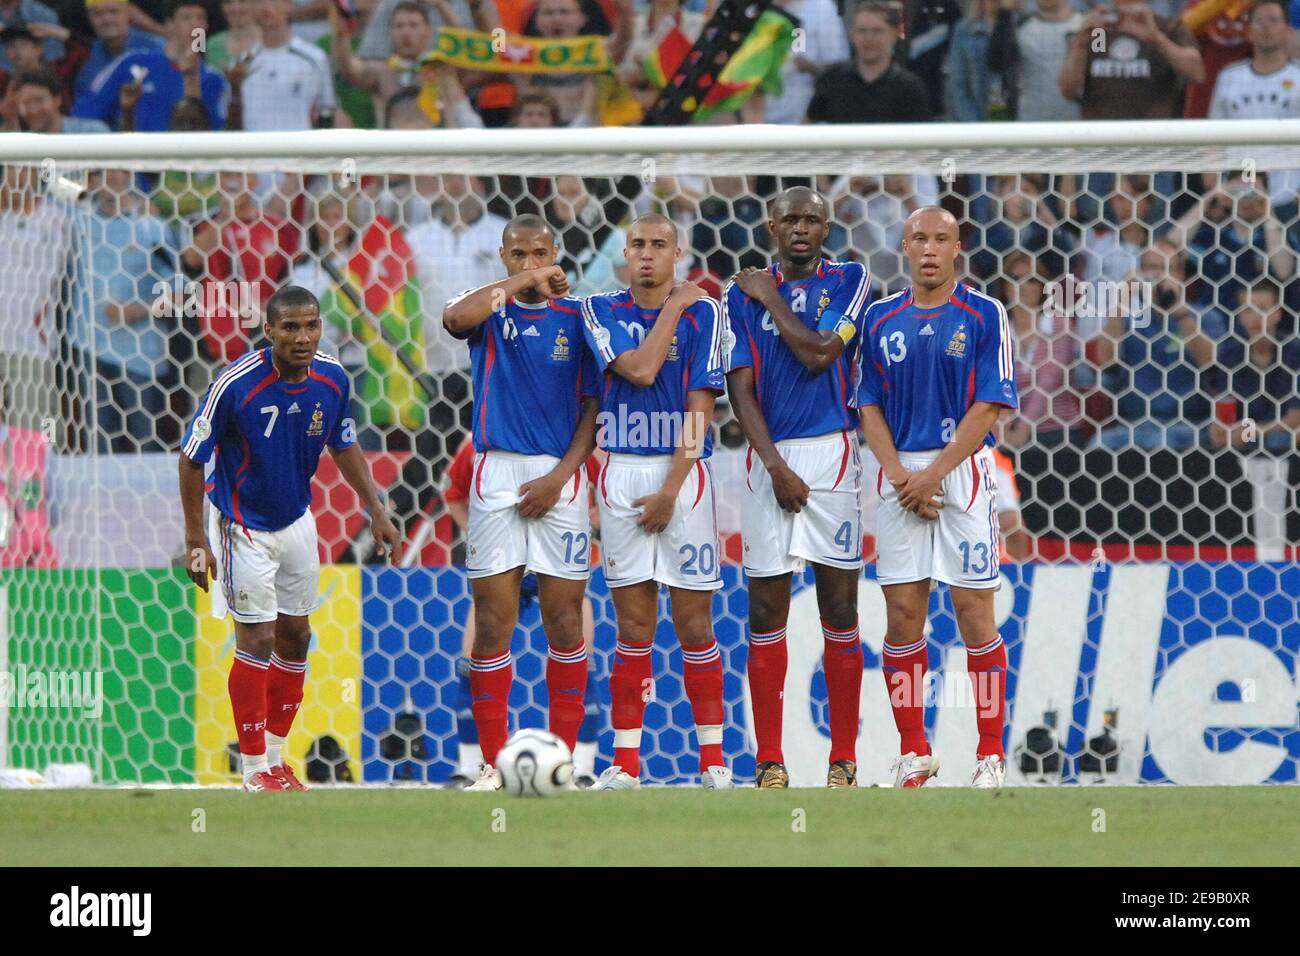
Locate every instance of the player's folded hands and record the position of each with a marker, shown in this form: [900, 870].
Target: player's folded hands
[920, 493]
[656, 511]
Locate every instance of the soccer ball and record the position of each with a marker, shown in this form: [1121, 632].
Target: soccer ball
[535, 763]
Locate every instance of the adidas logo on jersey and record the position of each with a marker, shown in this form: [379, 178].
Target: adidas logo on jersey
[531, 330]
[293, 408]
[927, 330]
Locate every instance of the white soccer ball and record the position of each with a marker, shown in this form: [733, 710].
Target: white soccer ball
[535, 763]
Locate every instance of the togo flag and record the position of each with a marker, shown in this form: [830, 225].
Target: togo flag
[755, 65]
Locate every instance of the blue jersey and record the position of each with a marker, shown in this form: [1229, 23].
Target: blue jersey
[268, 436]
[795, 402]
[162, 88]
[649, 421]
[925, 367]
[530, 367]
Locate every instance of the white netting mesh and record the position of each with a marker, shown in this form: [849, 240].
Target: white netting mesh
[1151, 602]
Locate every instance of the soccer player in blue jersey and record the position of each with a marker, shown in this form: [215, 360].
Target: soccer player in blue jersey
[938, 367]
[266, 419]
[795, 329]
[660, 345]
[536, 389]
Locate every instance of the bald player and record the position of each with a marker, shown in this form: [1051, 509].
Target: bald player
[661, 346]
[796, 327]
[528, 502]
[937, 368]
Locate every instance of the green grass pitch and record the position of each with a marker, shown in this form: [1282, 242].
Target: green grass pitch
[1193, 826]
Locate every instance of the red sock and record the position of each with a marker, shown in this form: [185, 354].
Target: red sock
[842, 664]
[987, 666]
[566, 683]
[767, 666]
[247, 687]
[629, 689]
[702, 676]
[489, 686]
[905, 669]
[284, 680]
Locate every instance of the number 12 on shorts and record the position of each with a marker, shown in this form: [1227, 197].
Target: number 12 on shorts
[575, 547]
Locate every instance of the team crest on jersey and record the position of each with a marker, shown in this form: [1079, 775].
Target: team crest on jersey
[672, 350]
[317, 426]
[957, 344]
[561, 351]
[822, 302]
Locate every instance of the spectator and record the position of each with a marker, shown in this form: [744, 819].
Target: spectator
[38, 95]
[35, 246]
[181, 194]
[242, 243]
[871, 87]
[1258, 377]
[1153, 362]
[591, 247]
[563, 19]
[1235, 238]
[21, 47]
[379, 268]
[377, 38]
[970, 80]
[456, 249]
[1049, 371]
[873, 210]
[825, 42]
[732, 223]
[404, 111]
[1267, 86]
[1220, 29]
[240, 38]
[310, 18]
[1141, 69]
[114, 36]
[1111, 247]
[1025, 220]
[412, 36]
[650, 27]
[125, 341]
[1031, 49]
[286, 85]
[31, 13]
[928, 36]
[138, 91]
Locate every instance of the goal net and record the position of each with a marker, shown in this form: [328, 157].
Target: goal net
[1149, 577]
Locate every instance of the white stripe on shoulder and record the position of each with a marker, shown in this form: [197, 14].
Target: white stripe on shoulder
[1006, 368]
[241, 367]
[596, 329]
[328, 358]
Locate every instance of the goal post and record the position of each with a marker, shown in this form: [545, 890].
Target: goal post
[1150, 599]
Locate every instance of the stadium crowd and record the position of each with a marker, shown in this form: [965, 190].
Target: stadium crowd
[127, 302]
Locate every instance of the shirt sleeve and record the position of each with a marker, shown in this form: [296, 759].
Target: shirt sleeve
[995, 369]
[735, 342]
[100, 101]
[843, 315]
[216, 96]
[871, 381]
[344, 433]
[210, 422]
[474, 334]
[706, 347]
[590, 377]
[605, 337]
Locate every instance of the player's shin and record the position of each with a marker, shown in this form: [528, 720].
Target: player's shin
[842, 663]
[630, 686]
[566, 685]
[284, 684]
[905, 668]
[247, 687]
[490, 677]
[702, 677]
[768, 660]
[987, 666]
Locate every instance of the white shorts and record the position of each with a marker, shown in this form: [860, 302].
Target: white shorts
[685, 554]
[961, 547]
[263, 574]
[501, 539]
[828, 530]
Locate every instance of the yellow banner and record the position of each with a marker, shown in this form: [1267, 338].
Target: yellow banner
[331, 702]
[499, 53]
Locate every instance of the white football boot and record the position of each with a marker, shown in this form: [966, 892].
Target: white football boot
[716, 778]
[990, 773]
[913, 770]
[615, 779]
[489, 779]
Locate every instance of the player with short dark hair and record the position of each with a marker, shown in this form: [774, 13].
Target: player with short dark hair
[266, 418]
[938, 366]
[536, 389]
[795, 330]
[661, 347]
